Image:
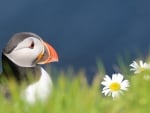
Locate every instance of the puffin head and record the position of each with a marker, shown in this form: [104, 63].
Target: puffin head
[27, 49]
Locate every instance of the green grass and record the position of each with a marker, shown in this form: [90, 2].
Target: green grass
[72, 94]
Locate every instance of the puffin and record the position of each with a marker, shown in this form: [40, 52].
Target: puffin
[22, 58]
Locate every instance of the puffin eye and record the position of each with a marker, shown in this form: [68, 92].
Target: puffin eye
[31, 45]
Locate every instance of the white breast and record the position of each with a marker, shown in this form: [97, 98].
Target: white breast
[40, 90]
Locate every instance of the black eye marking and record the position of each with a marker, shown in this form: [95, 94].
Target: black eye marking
[31, 45]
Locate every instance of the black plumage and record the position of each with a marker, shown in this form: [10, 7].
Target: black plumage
[18, 73]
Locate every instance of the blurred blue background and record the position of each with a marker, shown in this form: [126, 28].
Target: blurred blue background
[82, 31]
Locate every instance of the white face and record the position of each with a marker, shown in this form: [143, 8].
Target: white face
[26, 52]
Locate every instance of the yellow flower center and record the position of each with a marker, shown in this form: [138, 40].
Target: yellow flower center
[115, 86]
[142, 69]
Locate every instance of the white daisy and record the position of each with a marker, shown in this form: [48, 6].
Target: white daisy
[139, 67]
[114, 86]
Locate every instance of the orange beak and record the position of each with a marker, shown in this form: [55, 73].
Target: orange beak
[49, 55]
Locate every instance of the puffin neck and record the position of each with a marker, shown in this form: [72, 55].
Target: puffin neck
[27, 74]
